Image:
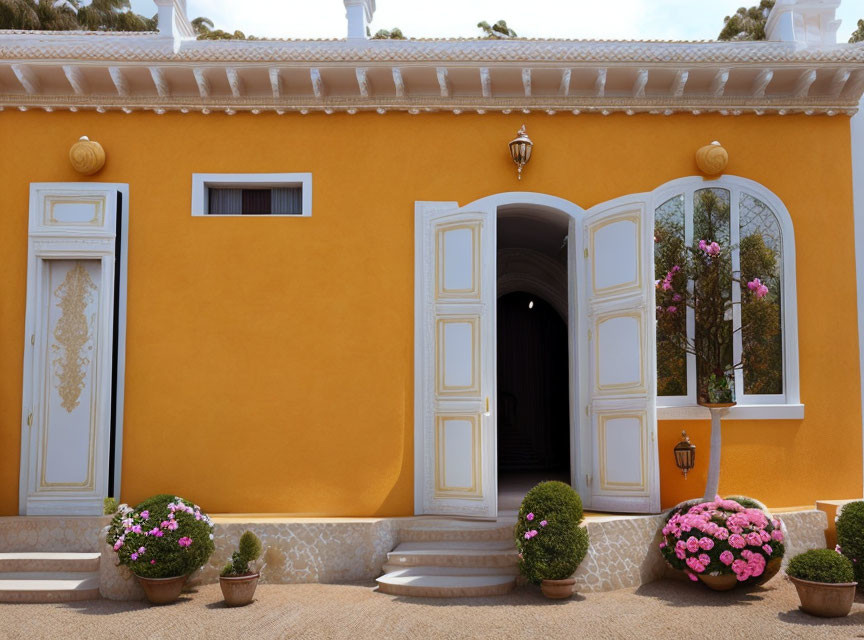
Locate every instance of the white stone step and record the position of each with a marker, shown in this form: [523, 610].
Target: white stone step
[417, 584]
[37, 586]
[456, 531]
[454, 554]
[48, 561]
[431, 570]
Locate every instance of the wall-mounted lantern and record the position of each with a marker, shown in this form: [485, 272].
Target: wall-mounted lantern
[685, 454]
[520, 149]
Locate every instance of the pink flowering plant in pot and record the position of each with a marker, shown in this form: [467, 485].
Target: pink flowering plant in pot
[163, 537]
[550, 541]
[731, 537]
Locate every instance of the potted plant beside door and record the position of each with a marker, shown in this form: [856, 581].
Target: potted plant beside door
[239, 578]
[701, 278]
[550, 539]
[161, 541]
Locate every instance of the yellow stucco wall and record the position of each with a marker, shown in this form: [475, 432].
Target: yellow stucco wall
[270, 361]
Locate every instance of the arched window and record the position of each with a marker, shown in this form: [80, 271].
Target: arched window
[744, 215]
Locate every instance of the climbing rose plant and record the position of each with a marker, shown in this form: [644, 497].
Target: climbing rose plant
[721, 537]
[163, 537]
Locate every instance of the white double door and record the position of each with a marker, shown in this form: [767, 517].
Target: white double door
[611, 329]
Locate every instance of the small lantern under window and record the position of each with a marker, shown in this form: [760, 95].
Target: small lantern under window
[685, 454]
[520, 149]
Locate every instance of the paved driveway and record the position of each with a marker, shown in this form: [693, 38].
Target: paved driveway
[355, 611]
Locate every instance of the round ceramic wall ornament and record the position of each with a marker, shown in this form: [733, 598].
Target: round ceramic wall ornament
[712, 159]
[87, 156]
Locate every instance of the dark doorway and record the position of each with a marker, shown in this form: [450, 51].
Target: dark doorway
[533, 396]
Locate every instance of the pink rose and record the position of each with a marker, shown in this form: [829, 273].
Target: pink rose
[133, 556]
[185, 541]
[527, 535]
[662, 545]
[737, 541]
[767, 549]
[705, 559]
[142, 551]
[727, 558]
[754, 539]
[145, 515]
[529, 517]
[692, 544]
[777, 534]
[543, 523]
[695, 565]
[692, 577]
[722, 533]
[152, 562]
[118, 544]
[706, 543]
[680, 554]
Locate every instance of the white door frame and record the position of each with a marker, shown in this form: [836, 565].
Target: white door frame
[76, 221]
[494, 202]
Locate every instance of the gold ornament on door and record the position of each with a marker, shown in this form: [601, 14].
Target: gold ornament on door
[73, 334]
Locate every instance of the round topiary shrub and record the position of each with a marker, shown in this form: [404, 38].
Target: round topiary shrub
[550, 541]
[821, 565]
[850, 536]
[163, 537]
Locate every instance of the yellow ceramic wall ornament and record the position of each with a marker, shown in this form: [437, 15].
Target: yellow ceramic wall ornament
[87, 156]
[712, 159]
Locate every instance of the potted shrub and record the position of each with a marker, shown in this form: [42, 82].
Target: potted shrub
[723, 543]
[161, 541]
[850, 536]
[549, 538]
[825, 581]
[239, 579]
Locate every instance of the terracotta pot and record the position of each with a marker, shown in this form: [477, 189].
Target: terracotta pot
[724, 582]
[558, 589]
[162, 590]
[240, 590]
[824, 599]
[717, 405]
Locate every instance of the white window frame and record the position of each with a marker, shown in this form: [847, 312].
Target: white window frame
[750, 406]
[202, 181]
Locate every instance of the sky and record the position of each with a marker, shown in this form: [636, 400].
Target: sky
[592, 19]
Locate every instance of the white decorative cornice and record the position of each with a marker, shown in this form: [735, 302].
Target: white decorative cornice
[56, 70]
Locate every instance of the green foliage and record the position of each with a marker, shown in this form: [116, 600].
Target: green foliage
[247, 552]
[163, 556]
[821, 565]
[219, 34]
[858, 34]
[109, 506]
[670, 250]
[552, 551]
[66, 15]
[393, 34]
[497, 31]
[850, 536]
[747, 23]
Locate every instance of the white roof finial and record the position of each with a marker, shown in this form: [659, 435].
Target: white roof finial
[808, 22]
[359, 14]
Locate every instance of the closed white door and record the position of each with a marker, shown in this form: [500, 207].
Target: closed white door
[618, 318]
[72, 364]
[455, 360]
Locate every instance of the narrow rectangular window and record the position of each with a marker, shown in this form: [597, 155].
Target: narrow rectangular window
[248, 194]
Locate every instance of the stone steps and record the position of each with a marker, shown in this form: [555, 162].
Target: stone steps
[449, 559]
[48, 561]
[419, 583]
[49, 577]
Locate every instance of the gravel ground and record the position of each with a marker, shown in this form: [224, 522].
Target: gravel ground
[666, 609]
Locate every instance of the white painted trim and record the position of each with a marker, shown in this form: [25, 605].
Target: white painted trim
[857, 142]
[737, 185]
[201, 181]
[738, 412]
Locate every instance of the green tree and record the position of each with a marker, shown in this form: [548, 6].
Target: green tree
[393, 34]
[113, 15]
[747, 24]
[858, 34]
[202, 25]
[497, 31]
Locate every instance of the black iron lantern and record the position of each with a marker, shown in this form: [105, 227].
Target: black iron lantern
[685, 454]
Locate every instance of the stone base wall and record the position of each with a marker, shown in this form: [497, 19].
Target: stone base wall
[623, 551]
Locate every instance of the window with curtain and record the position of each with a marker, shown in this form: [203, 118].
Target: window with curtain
[738, 217]
[282, 201]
